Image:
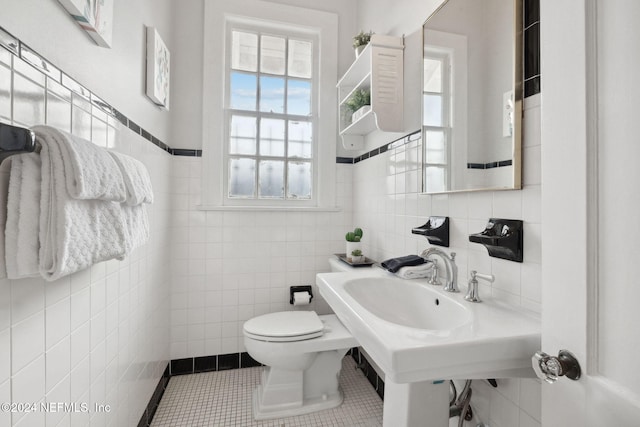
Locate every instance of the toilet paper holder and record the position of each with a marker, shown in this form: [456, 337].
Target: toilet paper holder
[303, 288]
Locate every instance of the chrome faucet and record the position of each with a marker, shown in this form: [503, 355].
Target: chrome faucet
[451, 284]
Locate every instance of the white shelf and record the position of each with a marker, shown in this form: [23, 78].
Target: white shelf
[379, 69]
[364, 125]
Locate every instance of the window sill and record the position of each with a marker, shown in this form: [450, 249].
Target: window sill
[267, 208]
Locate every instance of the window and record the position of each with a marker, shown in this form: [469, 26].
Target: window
[435, 121]
[270, 114]
[269, 139]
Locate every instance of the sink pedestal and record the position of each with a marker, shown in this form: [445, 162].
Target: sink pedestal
[423, 404]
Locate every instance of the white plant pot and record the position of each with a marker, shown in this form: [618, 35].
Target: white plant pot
[359, 49]
[357, 259]
[352, 246]
[360, 112]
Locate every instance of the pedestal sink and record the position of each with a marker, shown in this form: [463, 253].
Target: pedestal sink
[420, 335]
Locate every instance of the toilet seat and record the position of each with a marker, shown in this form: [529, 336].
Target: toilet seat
[284, 326]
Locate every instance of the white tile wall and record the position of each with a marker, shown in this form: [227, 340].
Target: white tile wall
[387, 205]
[100, 335]
[229, 266]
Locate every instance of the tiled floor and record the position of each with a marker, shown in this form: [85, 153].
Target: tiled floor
[223, 399]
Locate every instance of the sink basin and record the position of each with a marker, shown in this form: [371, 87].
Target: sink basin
[417, 332]
[407, 303]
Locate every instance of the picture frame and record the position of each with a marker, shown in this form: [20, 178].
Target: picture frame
[158, 69]
[93, 16]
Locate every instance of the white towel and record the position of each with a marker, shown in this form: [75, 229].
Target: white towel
[74, 234]
[90, 172]
[23, 214]
[416, 272]
[136, 179]
[137, 223]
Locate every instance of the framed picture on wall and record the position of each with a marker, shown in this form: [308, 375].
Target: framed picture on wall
[158, 67]
[93, 16]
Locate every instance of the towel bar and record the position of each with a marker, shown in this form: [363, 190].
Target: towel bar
[15, 140]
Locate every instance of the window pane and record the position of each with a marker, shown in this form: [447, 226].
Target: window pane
[435, 151]
[244, 51]
[299, 180]
[243, 91]
[300, 58]
[272, 94]
[432, 110]
[242, 135]
[271, 177]
[435, 179]
[300, 135]
[242, 178]
[299, 97]
[433, 75]
[272, 55]
[272, 137]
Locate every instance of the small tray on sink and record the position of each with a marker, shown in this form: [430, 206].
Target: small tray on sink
[366, 263]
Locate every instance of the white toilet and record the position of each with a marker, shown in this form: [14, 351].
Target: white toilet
[303, 355]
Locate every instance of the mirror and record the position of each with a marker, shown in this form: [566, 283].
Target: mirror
[472, 96]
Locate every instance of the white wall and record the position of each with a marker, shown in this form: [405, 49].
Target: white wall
[387, 205]
[117, 75]
[228, 267]
[99, 336]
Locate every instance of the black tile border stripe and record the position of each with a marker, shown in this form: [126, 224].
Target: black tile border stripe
[222, 362]
[490, 165]
[413, 136]
[152, 406]
[20, 50]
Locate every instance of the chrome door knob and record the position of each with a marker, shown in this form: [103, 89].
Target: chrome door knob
[550, 368]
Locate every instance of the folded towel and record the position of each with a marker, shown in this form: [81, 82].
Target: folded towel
[394, 264]
[23, 214]
[137, 226]
[74, 234]
[90, 172]
[416, 272]
[136, 179]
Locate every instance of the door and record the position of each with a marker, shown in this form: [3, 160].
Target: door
[590, 68]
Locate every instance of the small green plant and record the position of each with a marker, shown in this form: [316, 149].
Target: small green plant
[356, 252]
[354, 236]
[362, 38]
[359, 98]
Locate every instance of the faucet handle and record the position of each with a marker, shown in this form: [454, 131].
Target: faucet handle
[488, 277]
[453, 256]
[472, 291]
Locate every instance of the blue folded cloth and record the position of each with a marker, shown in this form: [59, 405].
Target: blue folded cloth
[395, 264]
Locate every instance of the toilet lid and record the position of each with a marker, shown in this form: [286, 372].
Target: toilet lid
[284, 326]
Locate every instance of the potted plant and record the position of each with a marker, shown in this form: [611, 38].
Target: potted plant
[360, 41]
[359, 103]
[353, 242]
[356, 256]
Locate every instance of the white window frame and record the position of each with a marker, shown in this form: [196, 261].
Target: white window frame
[445, 74]
[323, 26]
[259, 28]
